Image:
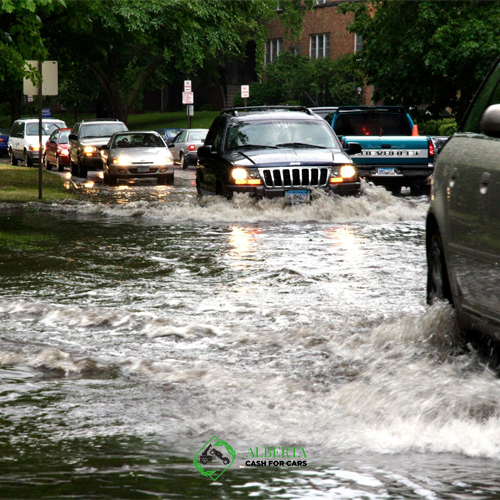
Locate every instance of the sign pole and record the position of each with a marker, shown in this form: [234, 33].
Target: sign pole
[40, 105]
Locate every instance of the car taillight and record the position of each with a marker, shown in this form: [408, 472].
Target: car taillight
[192, 147]
[431, 148]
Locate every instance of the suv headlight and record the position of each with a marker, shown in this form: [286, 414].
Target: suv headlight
[347, 171]
[342, 173]
[246, 176]
[88, 150]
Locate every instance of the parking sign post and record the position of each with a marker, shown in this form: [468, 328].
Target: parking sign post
[188, 99]
[245, 93]
[47, 85]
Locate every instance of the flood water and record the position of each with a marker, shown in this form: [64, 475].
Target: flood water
[140, 322]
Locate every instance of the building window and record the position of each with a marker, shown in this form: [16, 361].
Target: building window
[274, 48]
[319, 45]
[358, 43]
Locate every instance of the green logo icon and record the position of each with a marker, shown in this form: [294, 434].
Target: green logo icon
[213, 456]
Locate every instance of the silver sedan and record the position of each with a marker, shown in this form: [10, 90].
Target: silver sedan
[137, 154]
[185, 146]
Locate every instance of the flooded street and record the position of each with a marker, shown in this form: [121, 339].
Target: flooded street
[140, 322]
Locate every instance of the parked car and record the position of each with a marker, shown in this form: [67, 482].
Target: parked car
[86, 139]
[4, 141]
[274, 152]
[168, 134]
[463, 222]
[24, 142]
[138, 154]
[56, 150]
[185, 146]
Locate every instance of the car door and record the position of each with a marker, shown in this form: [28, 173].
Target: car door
[51, 147]
[473, 192]
[209, 168]
[178, 143]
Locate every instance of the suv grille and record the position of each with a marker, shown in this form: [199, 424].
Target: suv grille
[295, 177]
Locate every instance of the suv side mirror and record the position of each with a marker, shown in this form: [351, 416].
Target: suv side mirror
[204, 151]
[353, 148]
[72, 137]
[490, 121]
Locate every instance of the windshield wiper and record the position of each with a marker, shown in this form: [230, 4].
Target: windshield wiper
[252, 146]
[299, 144]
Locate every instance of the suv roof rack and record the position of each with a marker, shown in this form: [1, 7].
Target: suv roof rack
[256, 109]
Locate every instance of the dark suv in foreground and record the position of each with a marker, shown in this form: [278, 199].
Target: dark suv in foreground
[463, 223]
[274, 152]
[85, 142]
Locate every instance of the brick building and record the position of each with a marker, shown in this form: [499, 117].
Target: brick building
[324, 34]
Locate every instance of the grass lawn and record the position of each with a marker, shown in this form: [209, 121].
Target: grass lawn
[20, 184]
[176, 119]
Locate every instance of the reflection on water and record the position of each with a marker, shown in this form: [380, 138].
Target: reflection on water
[139, 323]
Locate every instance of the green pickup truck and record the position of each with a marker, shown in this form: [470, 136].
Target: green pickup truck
[393, 154]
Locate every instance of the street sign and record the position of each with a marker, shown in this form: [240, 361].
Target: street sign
[187, 98]
[190, 110]
[46, 112]
[30, 98]
[187, 86]
[245, 91]
[50, 84]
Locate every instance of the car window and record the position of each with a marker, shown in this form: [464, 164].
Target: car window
[214, 135]
[280, 132]
[47, 128]
[63, 137]
[372, 123]
[53, 136]
[142, 140]
[93, 130]
[181, 137]
[489, 93]
[196, 136]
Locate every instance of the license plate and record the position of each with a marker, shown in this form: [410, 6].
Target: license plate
[142, 169]
[386, 171]
[295, 197]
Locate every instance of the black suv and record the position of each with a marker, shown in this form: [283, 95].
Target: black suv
[274, 152]
[85, 141]
[463, 223]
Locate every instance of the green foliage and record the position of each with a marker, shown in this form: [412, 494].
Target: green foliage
[447, 126]
[296, 79]
[426, 52]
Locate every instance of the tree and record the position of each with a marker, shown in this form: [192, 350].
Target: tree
[124, 43]
[429, 52]
[296, 79]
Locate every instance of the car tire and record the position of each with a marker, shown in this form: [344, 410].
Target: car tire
[112, 180]
[28, 162]
[60, 166]
[82, 171]
[420, 189]
[438, 284]
[167, 179]
[74, 168]
[183, 162]
[48, 166]
[13, 159]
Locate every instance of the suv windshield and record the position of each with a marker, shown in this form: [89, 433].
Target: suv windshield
[101, 129]
[273, 133]
[47, 128]
[372, 123]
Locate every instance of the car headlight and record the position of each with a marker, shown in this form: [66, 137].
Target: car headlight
[89, 149]
[347, 171]
[121, 160]
[248, 176]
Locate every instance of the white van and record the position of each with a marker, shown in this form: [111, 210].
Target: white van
[24, 139]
